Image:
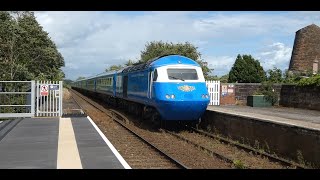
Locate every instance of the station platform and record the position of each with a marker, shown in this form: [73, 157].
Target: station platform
[309, 119]
[56, 143]
[291, 133]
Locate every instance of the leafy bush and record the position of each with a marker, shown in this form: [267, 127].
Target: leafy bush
[267, 90]
[291, 78]
[311, 81]
[238, 164]
[275, 75]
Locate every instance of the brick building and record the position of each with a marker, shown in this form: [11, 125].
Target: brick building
[306, 50]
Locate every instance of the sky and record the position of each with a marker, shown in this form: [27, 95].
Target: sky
[91, 41]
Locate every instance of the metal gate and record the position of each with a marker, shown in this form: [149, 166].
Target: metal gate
[17, 99]
[214, 92]
[49, 98]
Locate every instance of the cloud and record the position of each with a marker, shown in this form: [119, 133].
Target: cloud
[275, 55]
[247, 24]
[72, 66]
[221, 65]
[92, 41]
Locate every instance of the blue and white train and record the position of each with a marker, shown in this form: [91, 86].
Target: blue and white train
[169, 88]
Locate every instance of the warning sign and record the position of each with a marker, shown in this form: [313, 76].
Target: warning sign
[224, 90]
[54, 87]
[44, 90]
[56, 94]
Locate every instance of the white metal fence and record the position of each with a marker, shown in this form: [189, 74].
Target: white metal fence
[30, 98]
[214, 92]
[49, 98]
[17, 99]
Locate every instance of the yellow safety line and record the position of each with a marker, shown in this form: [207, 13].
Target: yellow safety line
[68, 154]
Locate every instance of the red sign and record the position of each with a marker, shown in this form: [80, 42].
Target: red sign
[44, 90]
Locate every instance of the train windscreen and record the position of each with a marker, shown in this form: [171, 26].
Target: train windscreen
[182, 74]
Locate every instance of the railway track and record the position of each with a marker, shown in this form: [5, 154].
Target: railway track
[212, 153]
[70, 107]
[185, 136]
[173, 160]
[231, 155]
[157, 159]
[248, 149]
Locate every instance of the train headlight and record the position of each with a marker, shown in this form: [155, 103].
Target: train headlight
[205, 96]
[172, 96]
[167, 96]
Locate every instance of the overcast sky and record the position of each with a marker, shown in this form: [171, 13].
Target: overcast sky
[92, 41]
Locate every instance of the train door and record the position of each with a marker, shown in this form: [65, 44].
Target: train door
[114, 85]
[125, 86]
[150, 84]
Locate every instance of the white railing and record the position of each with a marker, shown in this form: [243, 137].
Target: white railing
[17, 99]
[49, 98]
[30, 98]
[214, 92]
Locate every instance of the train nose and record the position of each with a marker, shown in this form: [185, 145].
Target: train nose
[188, 96]
[182, 110]
[181, 101]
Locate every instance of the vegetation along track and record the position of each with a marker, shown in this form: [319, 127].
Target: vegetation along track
[271, 157]
[138, 152]
[70, 106]
[242, 156]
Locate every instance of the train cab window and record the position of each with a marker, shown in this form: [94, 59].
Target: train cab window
[182, 74]
[155, 75]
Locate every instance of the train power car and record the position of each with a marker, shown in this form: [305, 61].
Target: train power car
[168, 88]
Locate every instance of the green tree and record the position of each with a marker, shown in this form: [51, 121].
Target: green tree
[159, 48]
[39, 52]
[130, 63]
[26, 50]
[67, 81]
[275, 75]
[212, 78]
[246, 70]
[224, 78]
[80, 78]
[9, 64]
[290, 77]
[114, 68]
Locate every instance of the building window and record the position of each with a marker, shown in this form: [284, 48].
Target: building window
[315, 67]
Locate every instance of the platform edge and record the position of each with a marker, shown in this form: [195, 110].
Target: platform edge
[113, 149]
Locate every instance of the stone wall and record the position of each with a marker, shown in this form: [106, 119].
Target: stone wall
[227, 94]
[242, 90]
[300, 97]
[289, 95]
[284, 140]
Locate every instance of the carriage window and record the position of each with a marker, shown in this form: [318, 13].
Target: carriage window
[182, 74]
[155, 75]
[106, 81]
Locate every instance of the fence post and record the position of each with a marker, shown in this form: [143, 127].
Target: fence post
[37, 95]
[61, 96]
[218, 93]
[213, 88]
[32, 97]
